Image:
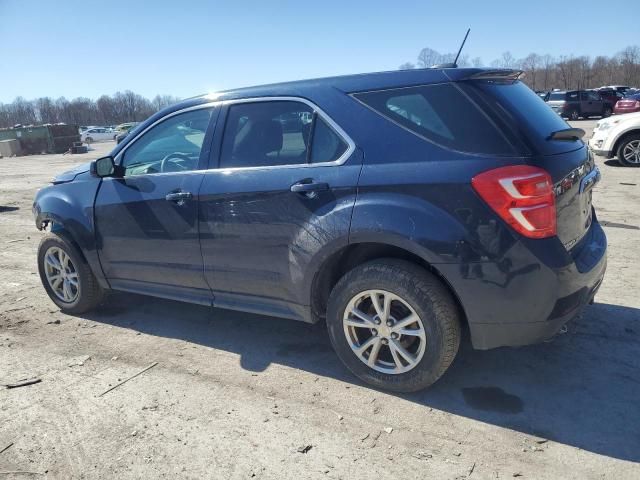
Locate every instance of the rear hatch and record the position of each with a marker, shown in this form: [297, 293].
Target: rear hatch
[557, 101]
[518, 110]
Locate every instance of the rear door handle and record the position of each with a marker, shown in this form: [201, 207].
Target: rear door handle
[179, 197]
[309, 186]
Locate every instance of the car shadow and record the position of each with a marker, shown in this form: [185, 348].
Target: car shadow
[7, 208]
[613, 162]
[581, 389]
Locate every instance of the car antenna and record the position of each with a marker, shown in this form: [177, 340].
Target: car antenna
[455, 61]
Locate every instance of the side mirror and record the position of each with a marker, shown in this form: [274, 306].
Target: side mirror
[103, 167]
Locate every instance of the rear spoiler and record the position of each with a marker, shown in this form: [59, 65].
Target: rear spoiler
[502, 74]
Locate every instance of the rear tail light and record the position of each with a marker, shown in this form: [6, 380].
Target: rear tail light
[522, 196]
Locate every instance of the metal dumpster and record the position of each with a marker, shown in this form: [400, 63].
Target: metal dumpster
[43, 138]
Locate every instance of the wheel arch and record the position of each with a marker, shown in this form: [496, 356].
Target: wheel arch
[622, 137]
[65, 214]
[354, 254]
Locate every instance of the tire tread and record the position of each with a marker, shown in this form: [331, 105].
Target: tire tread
[437, 298]
[92, 294]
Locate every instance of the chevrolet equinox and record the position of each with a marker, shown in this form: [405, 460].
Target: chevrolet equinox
[398, 207]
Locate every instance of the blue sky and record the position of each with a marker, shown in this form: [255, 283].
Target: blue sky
[86, 48]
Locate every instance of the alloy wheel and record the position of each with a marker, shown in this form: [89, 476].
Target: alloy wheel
[384, 331]
[61, 274]
[631, 152]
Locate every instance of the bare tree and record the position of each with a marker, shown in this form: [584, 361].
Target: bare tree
[507, 60]
[46, 110]
[629, 60]
[547, 72]
[428, 57]
[406, 66]
[531, 64]
[163, 101]
[106, 110]
[548, 66]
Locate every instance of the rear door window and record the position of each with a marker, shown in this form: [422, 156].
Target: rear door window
[277, 133]
[442, 114]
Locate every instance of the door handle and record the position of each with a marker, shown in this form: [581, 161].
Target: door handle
[179, 197]
[309, 186]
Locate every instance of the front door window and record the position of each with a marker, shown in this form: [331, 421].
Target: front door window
[173, 145]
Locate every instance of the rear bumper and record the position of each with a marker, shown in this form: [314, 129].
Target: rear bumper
[486, 336]
[622, 111]
[527, 298]
[602, 153]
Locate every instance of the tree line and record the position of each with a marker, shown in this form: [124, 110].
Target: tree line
[543, 72]
[107, 110]
[546, 72]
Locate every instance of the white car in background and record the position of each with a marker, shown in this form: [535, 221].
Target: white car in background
[97, 134]
[618, 136]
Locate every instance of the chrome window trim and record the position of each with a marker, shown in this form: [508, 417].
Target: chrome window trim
[351, 146]
[118, 158]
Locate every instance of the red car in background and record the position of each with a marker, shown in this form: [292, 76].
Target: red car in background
[628, 104]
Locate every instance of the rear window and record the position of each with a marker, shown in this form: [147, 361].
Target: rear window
[523, 110]
[442, 114]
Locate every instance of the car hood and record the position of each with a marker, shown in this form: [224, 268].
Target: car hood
[70, 175]
[625, 117]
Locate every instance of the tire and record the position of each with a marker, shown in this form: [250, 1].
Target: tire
[574, 115]
[87, 293]
[606, 112]
[630, 144]
[418, 290]
[88, 140]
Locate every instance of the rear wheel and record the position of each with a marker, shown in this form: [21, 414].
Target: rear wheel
[629, 151]
[607, 112]
[66, 276]
[394, 325]
[574, 115]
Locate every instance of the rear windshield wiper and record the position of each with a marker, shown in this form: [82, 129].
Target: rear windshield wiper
[571, 134]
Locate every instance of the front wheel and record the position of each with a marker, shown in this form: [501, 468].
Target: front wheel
[66, 276]
[88, 140]
[607, 112]
[394, 325]
[574, 115]
[629, 151]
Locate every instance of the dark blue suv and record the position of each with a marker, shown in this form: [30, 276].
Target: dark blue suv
[400, 207]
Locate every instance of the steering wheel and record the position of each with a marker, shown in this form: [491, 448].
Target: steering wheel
[177, 155]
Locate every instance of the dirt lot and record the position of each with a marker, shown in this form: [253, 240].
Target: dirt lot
[241, 396]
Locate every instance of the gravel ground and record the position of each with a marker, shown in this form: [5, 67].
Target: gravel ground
[235, 395]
